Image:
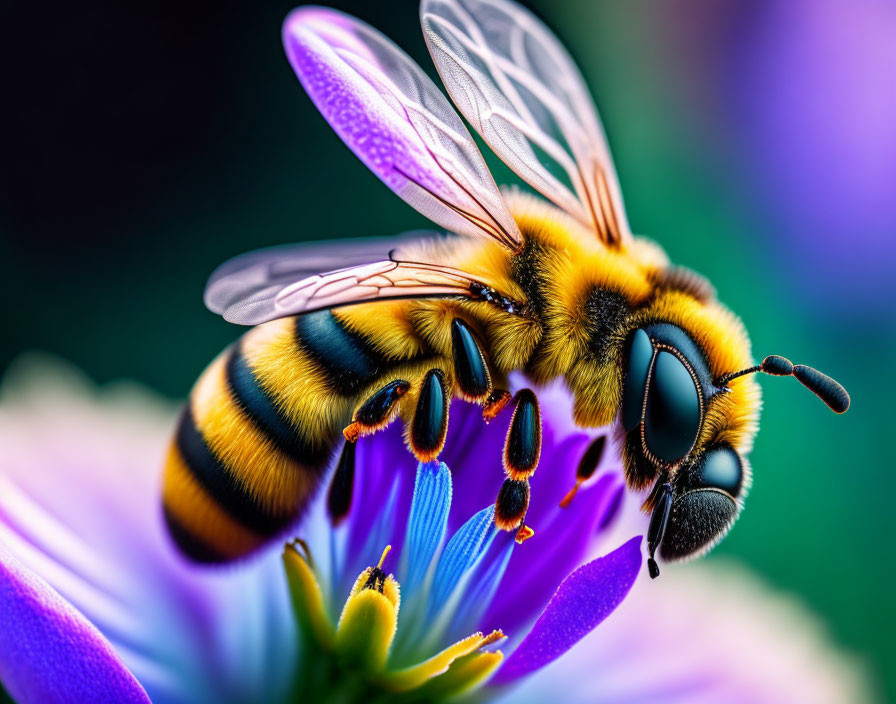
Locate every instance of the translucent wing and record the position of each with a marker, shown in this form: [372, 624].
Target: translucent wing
[282, 281]
[519, 88]
[392, 116]
[250, 275]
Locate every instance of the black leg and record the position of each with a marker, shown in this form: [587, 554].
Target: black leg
[656, 530]
[430, 422]
[377, 411]
[470, 369]
[512, 504]
[339, 497]
[589, 462]
[522, 450]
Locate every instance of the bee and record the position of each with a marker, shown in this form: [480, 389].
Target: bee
[348, 337]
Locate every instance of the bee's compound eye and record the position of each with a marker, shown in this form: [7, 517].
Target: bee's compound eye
[672, 417]
[721, 469]
[638, 365]
[698, 520]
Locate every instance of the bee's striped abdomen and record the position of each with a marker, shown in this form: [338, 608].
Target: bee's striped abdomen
[347, 360]
[233, 521]
[259, 430]
[262, 410]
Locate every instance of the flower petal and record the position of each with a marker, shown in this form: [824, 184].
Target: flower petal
[746, 644]
[465, 674]
[384, 471]
[79, 505]
[462, 552]
[49, 652]
[583, 600]
[307, 599]
[428, 520]
[483, 585]
[413, 677]
[366, 629]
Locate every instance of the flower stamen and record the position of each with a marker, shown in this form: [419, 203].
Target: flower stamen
[377, 578]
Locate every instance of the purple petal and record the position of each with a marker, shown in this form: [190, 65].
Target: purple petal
[537, 568]
[745, 644]
[584, 599]
[384, 474]
[49, 652]
[79, 506]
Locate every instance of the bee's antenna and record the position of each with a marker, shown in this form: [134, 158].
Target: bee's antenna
[828, 390]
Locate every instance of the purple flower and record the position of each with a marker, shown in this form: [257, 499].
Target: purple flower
[458, 574]
[116, 614]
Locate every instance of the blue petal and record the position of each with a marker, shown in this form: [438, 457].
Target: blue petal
[482, 588]
[427, 522]
[462, 553]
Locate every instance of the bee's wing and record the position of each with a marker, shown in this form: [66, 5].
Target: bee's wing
[518, 86]
[395, 119]
[281, 281]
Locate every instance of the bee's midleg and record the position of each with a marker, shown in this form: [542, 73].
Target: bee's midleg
[429, 425]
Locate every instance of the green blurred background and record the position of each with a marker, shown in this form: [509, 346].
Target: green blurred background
[756, 141]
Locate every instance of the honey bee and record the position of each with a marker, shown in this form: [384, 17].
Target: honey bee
[348, 337]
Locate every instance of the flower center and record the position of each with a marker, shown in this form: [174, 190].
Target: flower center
[355, 653]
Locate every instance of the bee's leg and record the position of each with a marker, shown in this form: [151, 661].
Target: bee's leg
[522, 450]
[474, 383]
[339, 495]
[495, 403]
[377, 411]
[589, 462]
[470, 369]
[659, 520]
[428, 427]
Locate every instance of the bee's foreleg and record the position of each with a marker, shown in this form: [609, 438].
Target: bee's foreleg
[377, 411]
[428, 427]
[474, 383]
[522, 450]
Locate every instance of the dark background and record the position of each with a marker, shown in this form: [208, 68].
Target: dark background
[148, 142]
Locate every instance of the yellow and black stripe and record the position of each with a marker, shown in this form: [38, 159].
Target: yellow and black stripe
[259, 430]
[264, 418]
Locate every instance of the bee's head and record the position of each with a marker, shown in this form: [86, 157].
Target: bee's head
[674, 417]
